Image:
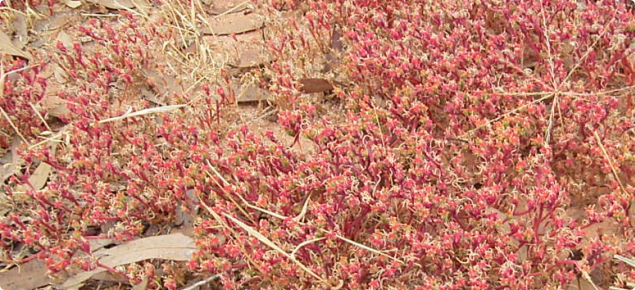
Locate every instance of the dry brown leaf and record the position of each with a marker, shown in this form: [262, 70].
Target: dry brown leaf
[6, 46]
[11, 162]
[579, 284]
[250, 93]
[251, 57]
[141, 286]
[21, 28]
[30, 275]
[337, 46]
[65, 39]
[234, 24]
[56, 21]
[164, 85]
[151, 96]
[246, 92]
[54, 106]
[314, 85]
[228, 4]
[106, 277]
[51, 103]
[336, 40]
[176, 247]
[142, 5]
[115, 4]
[185, 212]
[72, 3]
[98, 244]
[197, 285]
[228, 9]
[40, 175]
[60, 75]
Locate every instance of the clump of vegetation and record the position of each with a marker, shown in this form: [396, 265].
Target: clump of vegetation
[481, 145]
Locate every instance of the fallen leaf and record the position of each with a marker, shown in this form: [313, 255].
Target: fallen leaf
[141, 286]
[107, 277]
[11, 162]
[332, 58]
[72, 3]
[98, 244]
[115, 4]
[185, 211]
[6, 46]
[580, 284]
[336, 40]
[40, 175]
[251, 57]
[21, 28]
[176, 247]
[56, 21]
[234, 24]
[54, 106]
[60, 75]
[246, 92]
[314, 85]
[151, 96]
[30, 275]
[142, 5]
[65, 39]
[241, 7]
[164, 85]
[250, 93]
[198, 284]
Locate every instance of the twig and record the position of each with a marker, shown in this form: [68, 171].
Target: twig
[143, 112]
[298, 247]
[41, 118]
[3, 77]
[233, 232]
[272, 245]
[573, 94]
[13, 10]
[560, 114]
[553, 112]
[550, 56]
[298, 220]
[489, 122]
[608, 159]
[100, 15]
[302, 213]
[6, 116]
[202, 282]
[242, 210]
[586, 54]
[588, 278]
[57, 137]
[625, 260]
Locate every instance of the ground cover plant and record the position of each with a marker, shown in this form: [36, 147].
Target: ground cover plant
[397, 144]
